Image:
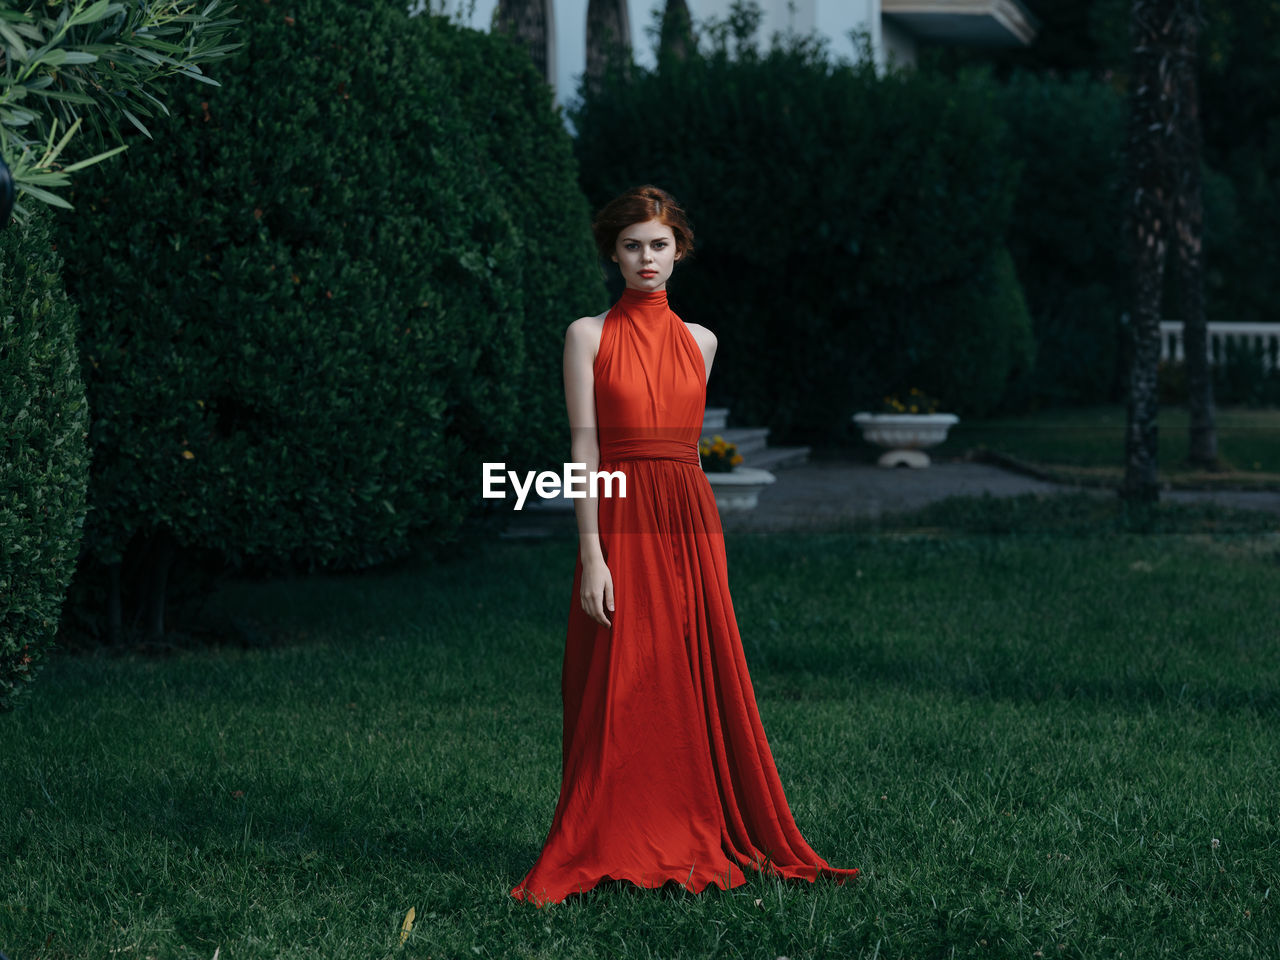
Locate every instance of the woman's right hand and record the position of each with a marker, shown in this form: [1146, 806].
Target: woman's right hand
[597, 591]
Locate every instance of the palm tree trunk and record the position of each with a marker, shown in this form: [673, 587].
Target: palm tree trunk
[1188, 249]
[608, 37]
[1151, 129]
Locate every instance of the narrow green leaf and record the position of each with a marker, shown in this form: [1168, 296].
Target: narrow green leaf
[92, 160]
[30, 31]
[155, 58]
[69, 96]
[15, 116]
[55, 178]
[163, 45]
[202, 78]
[18, 49]
[136, 122]
[50, 198]
[156, 100]
[95, 12]
[219, 51]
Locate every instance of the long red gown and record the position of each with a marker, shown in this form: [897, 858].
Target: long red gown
[667, 774]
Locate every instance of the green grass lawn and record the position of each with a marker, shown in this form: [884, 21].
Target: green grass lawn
[1045, 744]
[1086, 445]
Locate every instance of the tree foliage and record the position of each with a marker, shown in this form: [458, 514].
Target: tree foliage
[1068, 136]
[1239, 80]
[44, 462]
[849, 227]
[349, 289]
[92, 63]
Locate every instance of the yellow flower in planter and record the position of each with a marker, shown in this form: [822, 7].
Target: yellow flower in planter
[917, 401]
[718, 455]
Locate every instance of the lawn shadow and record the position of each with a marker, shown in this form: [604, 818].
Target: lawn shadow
[969, 677]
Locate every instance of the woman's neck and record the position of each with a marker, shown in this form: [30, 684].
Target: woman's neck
[644, 298]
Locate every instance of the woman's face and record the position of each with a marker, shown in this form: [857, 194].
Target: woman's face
[646, 254]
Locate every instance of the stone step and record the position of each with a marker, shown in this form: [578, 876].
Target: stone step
[747, 439]
[752, 443]
[778, 458]
[542, 518]
[714, 420]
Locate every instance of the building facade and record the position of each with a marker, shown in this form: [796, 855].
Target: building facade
[566, 37]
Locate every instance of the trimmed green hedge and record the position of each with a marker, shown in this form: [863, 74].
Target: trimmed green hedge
[850, 228]
[338, 286]
[44, 461]
[987, 340]
[1068, 135]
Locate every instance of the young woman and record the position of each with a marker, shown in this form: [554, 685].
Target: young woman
[667, 775]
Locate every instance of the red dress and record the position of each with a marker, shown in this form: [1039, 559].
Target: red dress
[667, 774]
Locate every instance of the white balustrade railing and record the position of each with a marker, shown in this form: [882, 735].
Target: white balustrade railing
[1262, 338]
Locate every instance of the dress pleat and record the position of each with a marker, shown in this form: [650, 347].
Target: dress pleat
[666, 771]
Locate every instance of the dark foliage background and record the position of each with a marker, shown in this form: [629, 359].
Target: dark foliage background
[340, 287]
[850, 229]
[1239, 80]
[1068, 135]
[44, 461]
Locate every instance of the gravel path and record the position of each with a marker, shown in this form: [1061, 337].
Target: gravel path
[826, 492]
[819, 493]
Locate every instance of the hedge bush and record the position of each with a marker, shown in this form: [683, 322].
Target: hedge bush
[44, 461]
[849, 226]
[1068, 136]
[1243, 375]
[338, 286]
[988, 341]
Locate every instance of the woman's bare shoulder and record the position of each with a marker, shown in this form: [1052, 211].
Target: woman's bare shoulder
[702, 334]
[585, 326]
[584, 335]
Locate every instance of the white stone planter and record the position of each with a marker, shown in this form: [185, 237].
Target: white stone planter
[739, 489]
[905, 434]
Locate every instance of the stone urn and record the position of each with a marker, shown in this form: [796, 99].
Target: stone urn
[905, 435]
[739, 488]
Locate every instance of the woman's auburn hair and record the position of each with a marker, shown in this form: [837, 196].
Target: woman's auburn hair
[640, 205]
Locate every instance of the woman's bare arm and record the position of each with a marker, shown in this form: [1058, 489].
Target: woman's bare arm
[707, 343]
[581, 342]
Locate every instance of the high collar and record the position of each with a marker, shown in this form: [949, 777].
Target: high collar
[648, 302]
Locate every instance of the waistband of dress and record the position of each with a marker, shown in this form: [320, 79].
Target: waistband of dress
[650, 448]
